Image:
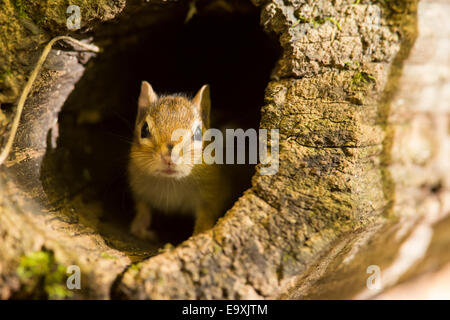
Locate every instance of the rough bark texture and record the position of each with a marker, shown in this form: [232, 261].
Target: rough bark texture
[362, 107]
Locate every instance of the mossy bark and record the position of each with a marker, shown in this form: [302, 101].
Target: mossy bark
[336, 205]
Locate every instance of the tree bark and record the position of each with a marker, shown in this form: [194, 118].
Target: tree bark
[361, 100]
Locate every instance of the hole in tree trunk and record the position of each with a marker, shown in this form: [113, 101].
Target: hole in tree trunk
[228, 51]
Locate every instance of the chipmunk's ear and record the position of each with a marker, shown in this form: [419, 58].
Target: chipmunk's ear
[146, 98]
[202, 102]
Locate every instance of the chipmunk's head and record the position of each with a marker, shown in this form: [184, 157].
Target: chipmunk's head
[168, 132]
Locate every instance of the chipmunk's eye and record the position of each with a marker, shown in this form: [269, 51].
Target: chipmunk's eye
[145, 131]
[198, 134]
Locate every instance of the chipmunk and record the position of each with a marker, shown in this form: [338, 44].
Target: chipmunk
[157, 177]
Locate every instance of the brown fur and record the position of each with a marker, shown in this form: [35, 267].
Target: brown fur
[194, 188]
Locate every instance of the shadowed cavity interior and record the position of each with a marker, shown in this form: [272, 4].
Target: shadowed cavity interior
[228, 51]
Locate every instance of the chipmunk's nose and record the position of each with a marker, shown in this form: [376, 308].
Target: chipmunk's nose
[167, 157]
[167, 160]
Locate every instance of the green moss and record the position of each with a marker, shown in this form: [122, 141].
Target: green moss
[352, 64]
[301, 19]
[53, 16]
[316, 21]
[361, 79]
[287, 257]
[217, 249]
[25, 11]
[107, 256]
[4, 74]
[31, 23]
[42, 277]
[333, 21]
[21, 8]
[136, 267]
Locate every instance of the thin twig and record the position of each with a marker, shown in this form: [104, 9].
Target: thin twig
[23, 97]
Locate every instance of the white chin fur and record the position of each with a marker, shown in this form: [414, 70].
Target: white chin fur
[179, 173]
